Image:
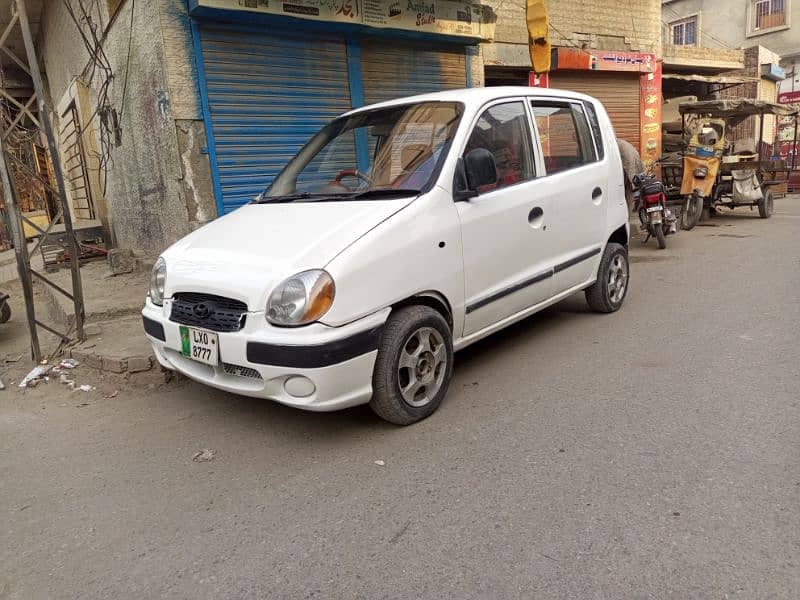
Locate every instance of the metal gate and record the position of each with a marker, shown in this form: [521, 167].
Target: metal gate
[267, 94]
[397, 69]
[619, 93]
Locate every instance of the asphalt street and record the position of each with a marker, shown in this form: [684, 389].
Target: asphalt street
[652, 453]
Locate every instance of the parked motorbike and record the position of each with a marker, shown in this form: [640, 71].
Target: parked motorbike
[655, 216]
[5, 309]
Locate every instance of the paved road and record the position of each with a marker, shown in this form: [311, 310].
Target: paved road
[648, 454]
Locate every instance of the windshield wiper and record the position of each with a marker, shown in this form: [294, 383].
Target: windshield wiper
[335, 196]
[377, 193]
[263, 199]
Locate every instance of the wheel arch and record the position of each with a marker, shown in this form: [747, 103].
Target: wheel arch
[431, 299]
[619, 236]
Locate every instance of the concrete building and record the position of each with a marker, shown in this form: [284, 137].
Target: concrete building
[740, 49]
[774, 24]
[708, 36]
[144, 168]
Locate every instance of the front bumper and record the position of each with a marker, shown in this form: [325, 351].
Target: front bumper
[278, 363]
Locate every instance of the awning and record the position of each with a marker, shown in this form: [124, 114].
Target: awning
[721, 79]
[740, 107]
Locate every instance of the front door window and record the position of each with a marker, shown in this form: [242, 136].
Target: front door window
[503, 130]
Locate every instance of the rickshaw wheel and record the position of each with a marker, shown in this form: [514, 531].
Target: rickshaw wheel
[692, 209]
[765, 205]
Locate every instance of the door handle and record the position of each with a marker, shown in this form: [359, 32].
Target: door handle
[596, 193]
[536, 212]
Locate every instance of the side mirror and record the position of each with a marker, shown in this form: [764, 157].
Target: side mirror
[480, 168]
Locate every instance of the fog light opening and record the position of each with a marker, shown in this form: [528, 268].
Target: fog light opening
[299, 386]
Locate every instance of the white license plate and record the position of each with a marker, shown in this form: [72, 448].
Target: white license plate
[655, 209]
[200, 345]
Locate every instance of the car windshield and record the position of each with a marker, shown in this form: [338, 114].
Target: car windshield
[387, 152]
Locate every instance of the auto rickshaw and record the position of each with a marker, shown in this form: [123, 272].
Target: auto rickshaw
[719, 170]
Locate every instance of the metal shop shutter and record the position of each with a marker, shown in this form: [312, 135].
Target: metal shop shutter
[395, 69]
[618, 92]
[267, 95]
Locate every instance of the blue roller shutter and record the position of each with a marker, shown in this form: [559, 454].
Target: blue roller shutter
[393, 69]
[267, 95]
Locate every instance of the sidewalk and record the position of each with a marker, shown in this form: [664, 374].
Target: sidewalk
[115, 340]
[8, 264]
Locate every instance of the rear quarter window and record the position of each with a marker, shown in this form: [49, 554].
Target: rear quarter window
[594, 125]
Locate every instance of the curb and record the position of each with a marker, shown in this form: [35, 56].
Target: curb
[113, 364]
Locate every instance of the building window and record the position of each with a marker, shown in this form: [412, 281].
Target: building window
[684, 32]
[767, 14]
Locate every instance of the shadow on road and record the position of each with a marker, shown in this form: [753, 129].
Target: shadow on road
[256, 413]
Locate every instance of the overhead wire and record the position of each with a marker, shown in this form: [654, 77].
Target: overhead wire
[99, 66]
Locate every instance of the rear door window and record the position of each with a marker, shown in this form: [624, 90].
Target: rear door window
[565, 135]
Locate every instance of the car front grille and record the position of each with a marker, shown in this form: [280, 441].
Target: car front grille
[208, 311]
[240, 371]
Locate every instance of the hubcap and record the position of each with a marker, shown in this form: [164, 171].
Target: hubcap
[617, 279]
[422, 366]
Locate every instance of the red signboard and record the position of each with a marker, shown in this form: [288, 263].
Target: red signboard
[541, 80]
[789, 97]
[650, 114]
[603, 60]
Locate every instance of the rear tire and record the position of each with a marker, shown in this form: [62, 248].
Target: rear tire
[5, 312]
[413, 367]
[660, 237]
[765, 205]
[692, 210]
[607, 294]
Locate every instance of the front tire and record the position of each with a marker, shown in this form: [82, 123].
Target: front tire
[413, 367]
[5, 312]
[765, 205]
[692, 211]
[607, 294]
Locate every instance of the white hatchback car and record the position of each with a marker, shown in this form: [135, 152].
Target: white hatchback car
[401, 232]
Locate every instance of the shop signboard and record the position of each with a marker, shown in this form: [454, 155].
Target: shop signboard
[789, 97]
[603, 60]
[446, 17]
[650, 112]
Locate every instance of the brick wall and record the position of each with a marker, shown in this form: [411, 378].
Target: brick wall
[632, 25]
[762, 89]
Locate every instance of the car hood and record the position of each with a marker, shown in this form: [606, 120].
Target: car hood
[244, 254]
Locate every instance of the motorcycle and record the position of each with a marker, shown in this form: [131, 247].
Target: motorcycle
[5, 309]
[650, 203]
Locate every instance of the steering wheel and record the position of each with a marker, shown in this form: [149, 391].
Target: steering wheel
[351, 173]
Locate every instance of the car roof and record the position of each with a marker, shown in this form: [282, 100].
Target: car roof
[476, 97]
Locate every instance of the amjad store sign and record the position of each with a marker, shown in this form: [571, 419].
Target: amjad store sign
[444, 17]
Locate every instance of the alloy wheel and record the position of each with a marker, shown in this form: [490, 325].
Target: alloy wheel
[617, 279]
[422, 366]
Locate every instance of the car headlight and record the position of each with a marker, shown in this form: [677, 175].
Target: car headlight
[157, 279]
[701, 172]
[301, 299]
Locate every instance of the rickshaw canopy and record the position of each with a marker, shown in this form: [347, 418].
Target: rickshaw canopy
[737, 108]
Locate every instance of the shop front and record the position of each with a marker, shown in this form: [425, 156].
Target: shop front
[627, 83]
[272, 73]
